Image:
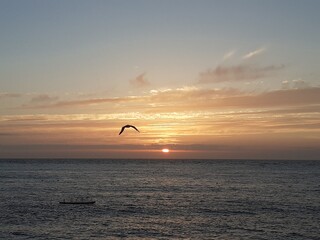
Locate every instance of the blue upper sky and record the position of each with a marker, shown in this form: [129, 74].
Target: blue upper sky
[91, 46]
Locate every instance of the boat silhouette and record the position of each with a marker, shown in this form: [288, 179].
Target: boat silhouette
[78, 201]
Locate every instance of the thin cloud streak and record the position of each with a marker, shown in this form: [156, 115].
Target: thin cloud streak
[237, 73]
[194, 99]
[254, 53]
[74, 103]
[9, 95]
[294, 97]
[43, 98]
[228, 55]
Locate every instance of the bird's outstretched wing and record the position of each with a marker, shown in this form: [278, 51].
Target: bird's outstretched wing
[122, 129]
[134, 128]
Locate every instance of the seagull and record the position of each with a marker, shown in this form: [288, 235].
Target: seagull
[128, 126]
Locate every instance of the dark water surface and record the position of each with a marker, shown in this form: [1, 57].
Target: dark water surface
[160, 199]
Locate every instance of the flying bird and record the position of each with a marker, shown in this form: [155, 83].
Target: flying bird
[128, 126]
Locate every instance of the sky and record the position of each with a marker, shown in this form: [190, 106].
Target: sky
[206, 79]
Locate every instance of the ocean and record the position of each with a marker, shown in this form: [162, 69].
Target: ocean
[160, 199]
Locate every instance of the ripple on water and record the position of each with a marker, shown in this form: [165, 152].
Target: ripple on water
[164, 199]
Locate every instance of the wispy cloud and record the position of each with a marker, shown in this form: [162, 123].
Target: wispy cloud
[197, 99]
[229, 55]
[192, 94]
[140, 81]
[237, 73]
[285, 84]
[295, 84]
[43, 98]
[254, 53]
[291, 97]
[299, 83]
[86, 102]
[9, 95]
[212, 100]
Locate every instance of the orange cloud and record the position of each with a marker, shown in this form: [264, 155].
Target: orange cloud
[195, 99]
[208, 99]
[193, 122]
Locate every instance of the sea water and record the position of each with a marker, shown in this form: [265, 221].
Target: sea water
[160, 199]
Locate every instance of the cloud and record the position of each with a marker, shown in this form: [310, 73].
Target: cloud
[295, 84]
[228, 55]
[237, 73]
[22, 118]
[300, 84]
[193, 99]
[291, 97]
[43, 98]
[254, 53]
[285, 84]
[191, 94]
[86, 102]
[9, 95]
[226, 99]
[155, 96]
[140, 81]
[189, 120]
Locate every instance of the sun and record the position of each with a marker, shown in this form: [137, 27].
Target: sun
[165, 150]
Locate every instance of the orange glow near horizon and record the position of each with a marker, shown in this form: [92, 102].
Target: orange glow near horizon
[210, 129]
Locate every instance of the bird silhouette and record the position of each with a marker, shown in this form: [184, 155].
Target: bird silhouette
[128, 126]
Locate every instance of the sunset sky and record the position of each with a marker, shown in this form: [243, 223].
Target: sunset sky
[205, 79]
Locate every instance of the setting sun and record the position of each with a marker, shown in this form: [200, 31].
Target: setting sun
[165, 150]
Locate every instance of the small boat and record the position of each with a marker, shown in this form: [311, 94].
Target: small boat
[77, 202]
